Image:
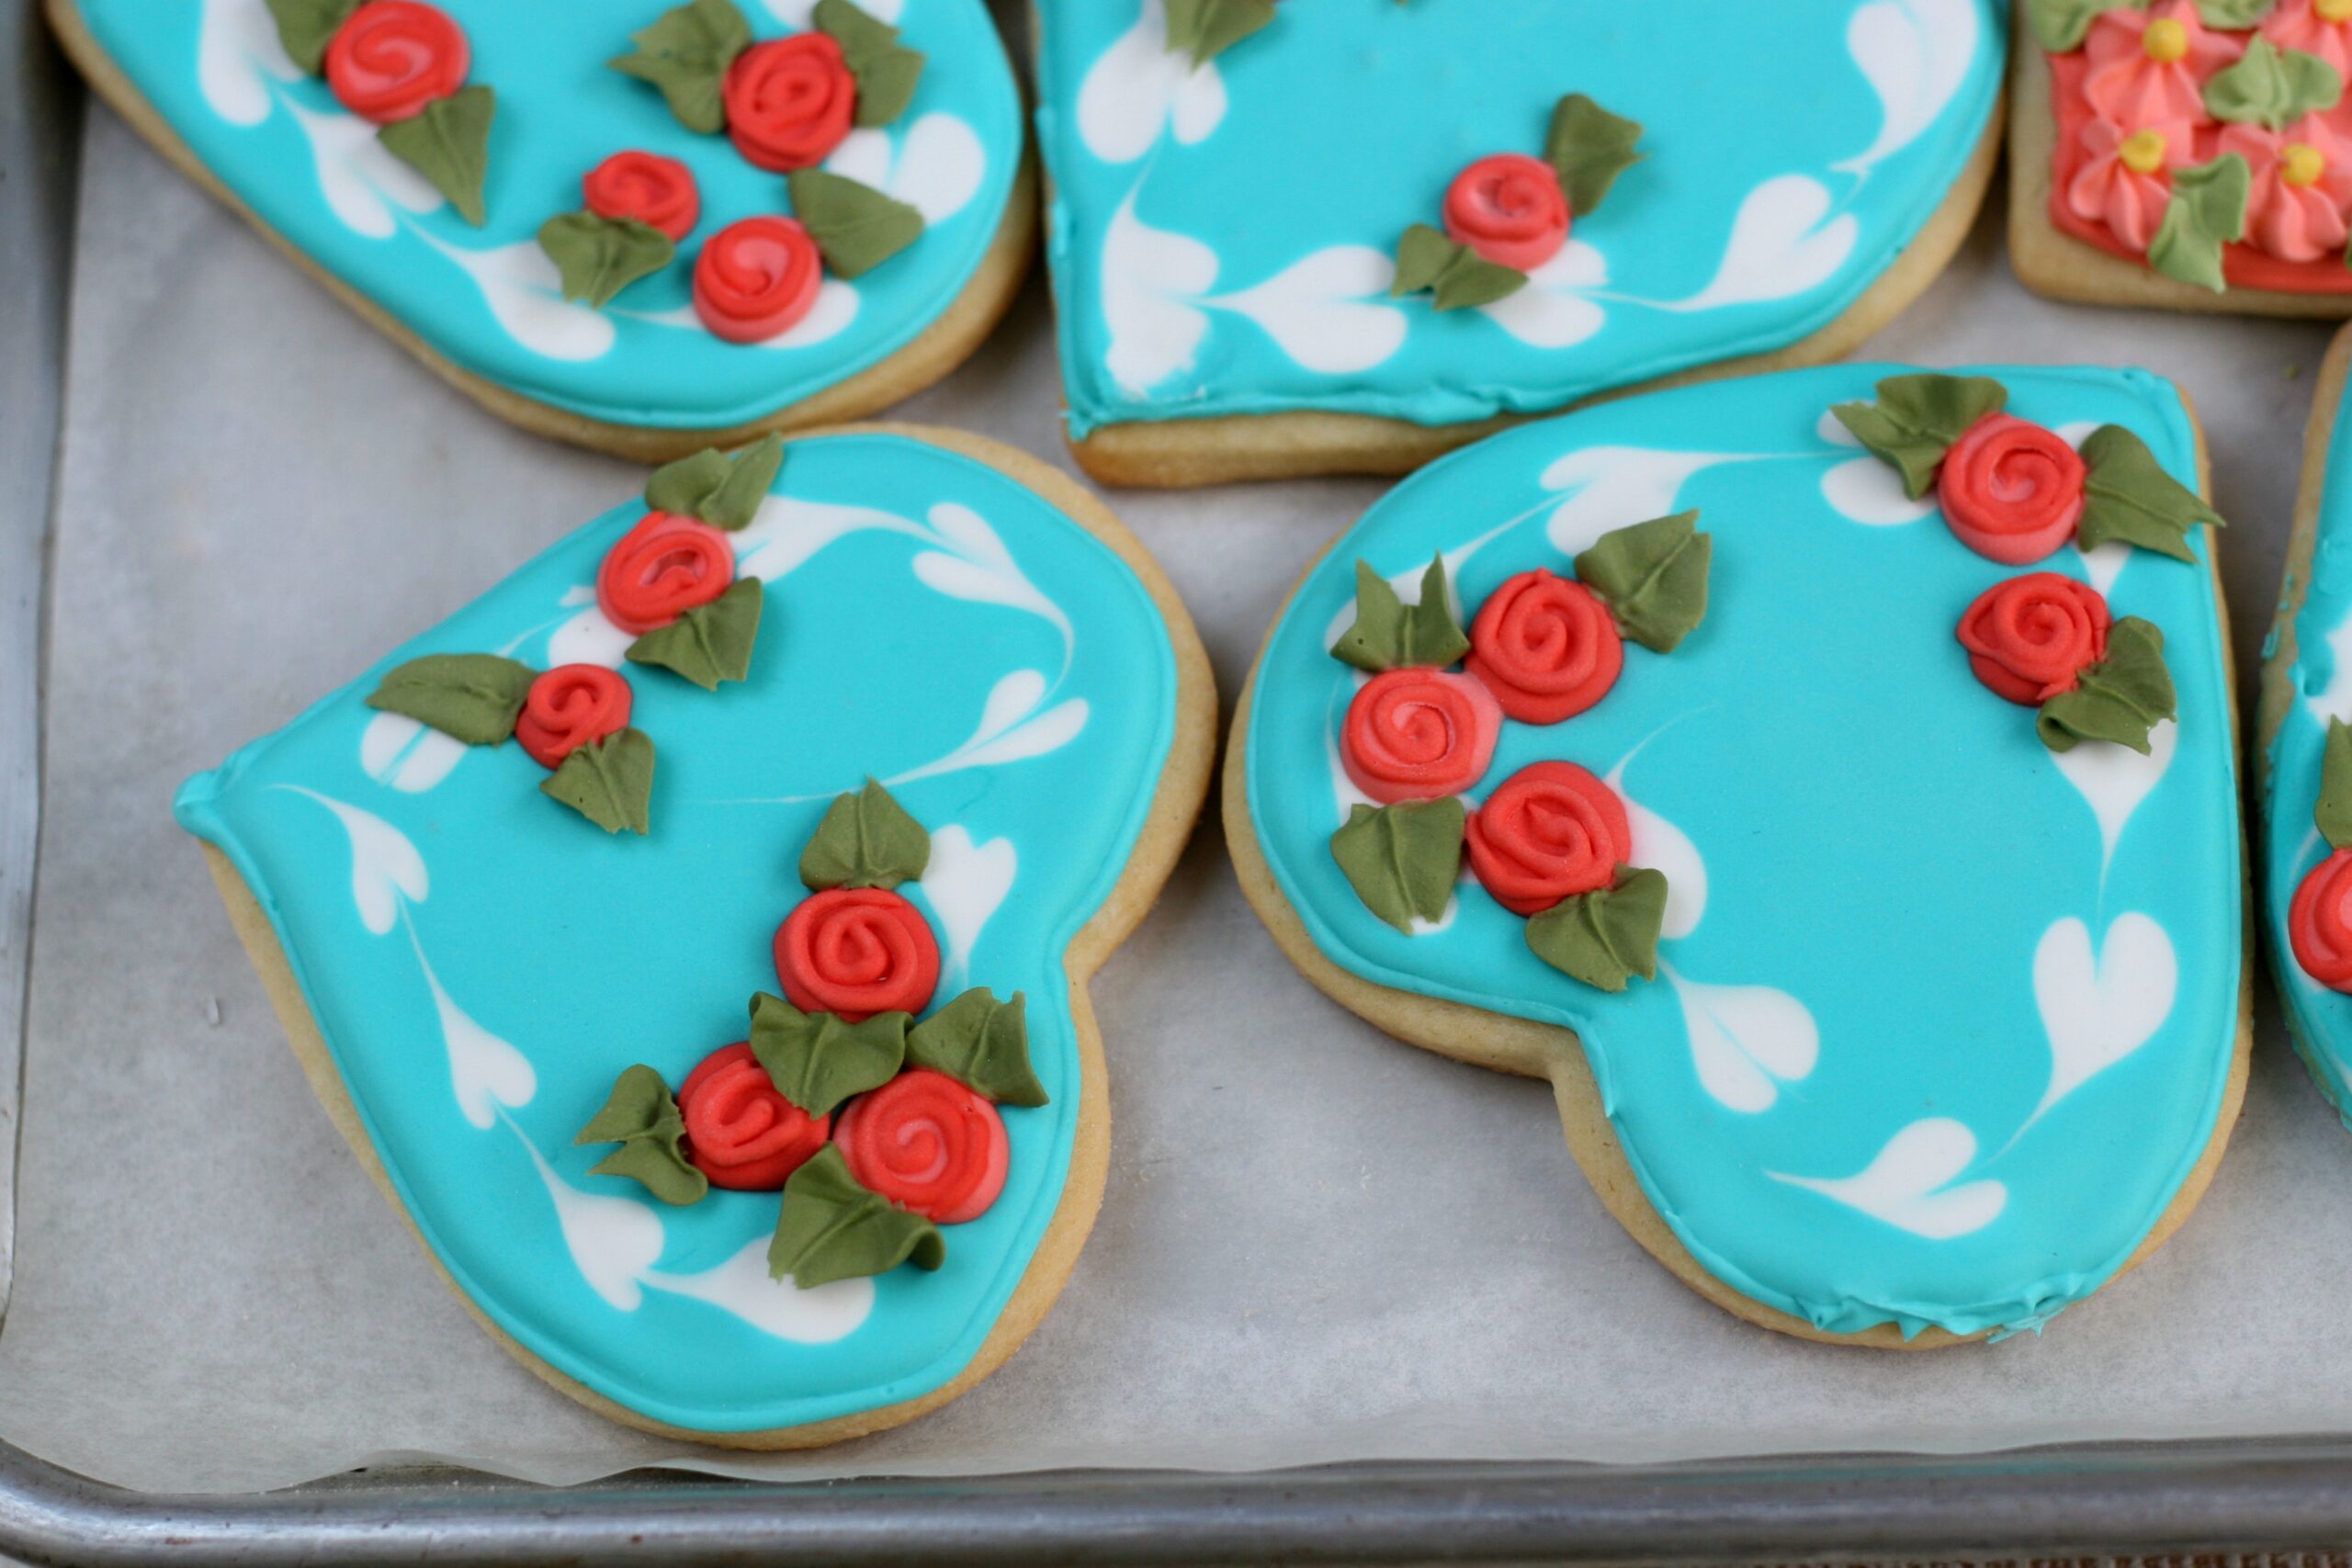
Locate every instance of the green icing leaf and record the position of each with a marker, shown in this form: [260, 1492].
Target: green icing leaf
[982, 1044]
[831, 1228]
[1206, 29]
[722, 490]
[1588, 147]
[887, 71]
[1653, 576]
[2207, 212]
[685, 53]
[857, 227]
[307, 27]
[2059, 25]
[2333, 814]
[472, 697]
[609, 781]
[448, 144]
[711, 642]
[2128, 496]
[2233, 12]
[643, 1119]
[1604, 939]
[867, 840]
[2121, 698]
[815, 1061]
[1917, 418]
[1457, 276]
[598, 257]
[1402, 860]
[2272, 88]
[1389, 634]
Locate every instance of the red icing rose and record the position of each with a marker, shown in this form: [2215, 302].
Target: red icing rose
[1418, 734]
[661, 569]
[569, 707]
[924, 1141]
[644, 185]
[1510, 208]
[391, 57]
[1545, 646]
[756, 278]
[2012, 489]
[1552, 831]
[855, 952]
[2319, 922]
[2030, 638]
[789, 101]
[739, 1132]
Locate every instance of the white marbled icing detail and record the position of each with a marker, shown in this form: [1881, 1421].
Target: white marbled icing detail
[1328, 310]
[965, 884]
[1555, 310]
[406, 755]
[612, 1241]
[1910, 1183]
[362, 183]
[1015, 724]
[2115, 779]
[1611, 487]
[779, 1309]
[1138, 87]
[972, 563]
[2099, 1010]
[1866, 490]
[936, 166]
[485, 1072]
[830, 315]
[385, 867]
[1784, 241]
[1661, 846]
[1916, 54]
[525, 293]
[1746, 1040]
[1150, 277]
[801, 15]
[237, 51]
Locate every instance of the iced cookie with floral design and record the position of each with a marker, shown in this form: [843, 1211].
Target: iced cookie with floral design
[1828, 781]
[691, 934]
[1346, 237]
[638, 226]
[2189, 153]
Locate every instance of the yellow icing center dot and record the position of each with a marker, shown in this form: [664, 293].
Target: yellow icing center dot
[2332, 10]
[2142, 151]
[2300, 163]
[2165, 40]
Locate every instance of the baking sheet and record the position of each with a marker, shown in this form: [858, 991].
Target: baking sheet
[1317, 1245]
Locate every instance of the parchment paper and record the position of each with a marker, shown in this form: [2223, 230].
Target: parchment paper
[1317, 1244]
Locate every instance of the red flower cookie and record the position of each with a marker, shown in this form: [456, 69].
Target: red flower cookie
[855, 952]
[2030, 638]
[1551, 832]
[2012, 489]
[652, 189]
[740, 1132]
[661, 569]
[925, 1141]
[1419, 734]
[391, 58]
[569, 707]
[1545, 646]
[789, 101]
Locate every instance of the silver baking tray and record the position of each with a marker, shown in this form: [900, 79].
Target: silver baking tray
[2192, 1495]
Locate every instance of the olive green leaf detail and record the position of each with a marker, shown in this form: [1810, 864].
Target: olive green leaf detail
[1389, 634]
[2121, 698]
[715, 488]
[711, 642]
[685, 53]
[865, 840]
[832, 1228]
[472, 697]
[815, 1061]
[2333, 813]
[609, 781]
[1206, 29]
[982, 1044]
[2059, 25]
[1918, 417]
[2207, 212]
[643, 1119]
[857, 227]
[307, 27]
[2272, 87]
[597, 257]
[1458, 276]
[1605, 938]
[887, 71]
[1588, 147]
[1403, 860]
[2230, 13]
[1653, 577]
[2128, 496]
[448, 144]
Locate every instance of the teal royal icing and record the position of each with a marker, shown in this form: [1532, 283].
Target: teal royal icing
[487, 299]
[1221, 238]
[1943, 1020]
[483, 963]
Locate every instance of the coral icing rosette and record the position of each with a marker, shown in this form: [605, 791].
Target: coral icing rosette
[392, 58]
[2302, 188]
[1510, 208]
[756, 278]
[2030, 638]
[790, 101]
[652, 190]
[569, 707]
[740, 1132]
[2126, 180]
[1545, 646]
[2319, 922]
[2012, 489]
[1417, 734]
[661, 569]
[855, 952]
[2322, 28]
[928, 1143]
[2148, 66]
[1551, 832]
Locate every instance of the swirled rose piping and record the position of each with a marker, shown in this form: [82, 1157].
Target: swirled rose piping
[855, 952]
[789, 101]
[2319, 922]
[1510, 208]
[391, 58]
[661, 569]
[924, 1141]
[739, 1132]
[652, 190]
[2012, 489]
[568, 707]
[2030, 638]
[1545, 646]
[755, 279]
[1551, 832]
[1418, 735]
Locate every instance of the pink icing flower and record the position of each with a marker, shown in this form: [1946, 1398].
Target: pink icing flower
[2128, 180]
[2147, 66]
[2316, 26]
[2302, 188]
